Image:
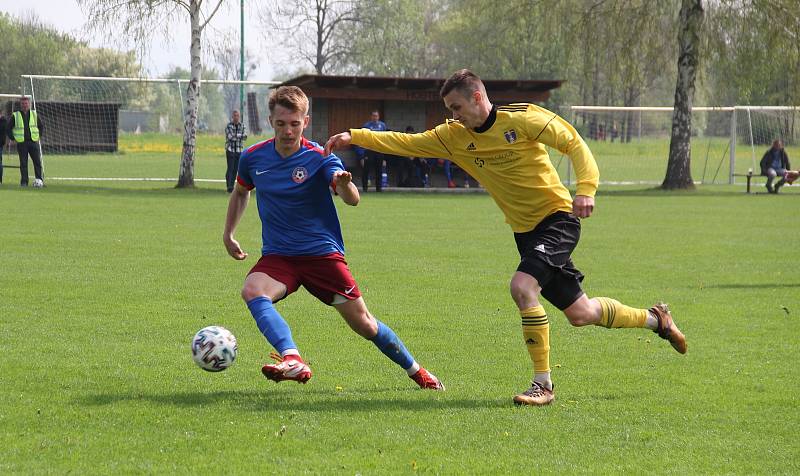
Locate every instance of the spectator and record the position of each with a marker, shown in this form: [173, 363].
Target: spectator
[412, 171]
[371, 160]
[24, 129]
[448, 173]
[235, 135]
[775, 163]
[3, 125]
[614, 131]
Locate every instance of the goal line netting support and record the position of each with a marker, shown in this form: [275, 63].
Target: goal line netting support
[631, 144]
[90, 114]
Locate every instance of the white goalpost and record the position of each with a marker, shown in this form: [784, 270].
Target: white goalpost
[632, 143]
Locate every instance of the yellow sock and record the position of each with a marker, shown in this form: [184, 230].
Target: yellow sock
[536, 331]
[616, 314]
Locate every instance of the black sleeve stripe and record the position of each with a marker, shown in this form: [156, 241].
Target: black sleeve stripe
[518, 105]
[545, 127]
[442, 142]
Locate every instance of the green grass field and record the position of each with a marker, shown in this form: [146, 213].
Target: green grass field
[104, 284]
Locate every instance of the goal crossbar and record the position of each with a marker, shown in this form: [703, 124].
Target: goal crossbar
[147, 80]
[696, 108]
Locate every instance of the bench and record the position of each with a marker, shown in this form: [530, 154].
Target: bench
[749, 175]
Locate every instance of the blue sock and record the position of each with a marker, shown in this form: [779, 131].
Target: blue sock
[271, 324]
[391, 345]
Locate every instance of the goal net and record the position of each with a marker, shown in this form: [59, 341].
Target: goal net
[757, 127]
[631, 144]
[141, 115]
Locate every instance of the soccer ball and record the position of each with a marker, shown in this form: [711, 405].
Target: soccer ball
[37, 183]
[214, 348]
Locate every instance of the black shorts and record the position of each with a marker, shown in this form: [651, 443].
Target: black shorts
[545, 254]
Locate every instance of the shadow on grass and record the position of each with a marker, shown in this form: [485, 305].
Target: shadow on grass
[129, 188]
[753, 286]
[317, 400]
[152, 188]
[701, 191]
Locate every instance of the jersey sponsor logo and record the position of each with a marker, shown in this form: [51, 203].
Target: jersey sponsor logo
[471, 146]
[299, 174]
[259, 172]
[540, 248]
[479, 162]
[510, 135]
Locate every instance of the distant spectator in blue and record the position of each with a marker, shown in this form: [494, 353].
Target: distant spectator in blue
[775, 163]
[235, 135]
[412, 171]
[371, 160]
[448, 173]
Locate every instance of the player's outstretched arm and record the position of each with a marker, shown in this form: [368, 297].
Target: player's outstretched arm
[236, 207]
[337, 142]
[345, 187]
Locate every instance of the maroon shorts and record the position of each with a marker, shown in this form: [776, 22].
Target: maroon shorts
[326, 277]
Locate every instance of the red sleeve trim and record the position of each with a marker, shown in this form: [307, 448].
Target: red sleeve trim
[244, 184]
[307, 144]
[259, 145]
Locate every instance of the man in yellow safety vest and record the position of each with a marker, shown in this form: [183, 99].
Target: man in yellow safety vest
[24, 128]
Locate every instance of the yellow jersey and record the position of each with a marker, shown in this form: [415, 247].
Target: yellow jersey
[507, 156]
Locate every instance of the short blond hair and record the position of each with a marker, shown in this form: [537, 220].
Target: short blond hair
[290, 97]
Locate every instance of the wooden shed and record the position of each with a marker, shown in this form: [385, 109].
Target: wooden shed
[342, 102]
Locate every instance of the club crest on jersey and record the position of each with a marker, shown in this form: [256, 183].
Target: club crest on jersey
[511, 136]
[299, 174]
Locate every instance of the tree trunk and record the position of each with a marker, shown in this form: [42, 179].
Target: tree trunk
[186, 175]
[322, 8]
[679, 173]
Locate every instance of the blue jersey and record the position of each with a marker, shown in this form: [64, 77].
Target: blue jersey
[375, 125]
[298, 217]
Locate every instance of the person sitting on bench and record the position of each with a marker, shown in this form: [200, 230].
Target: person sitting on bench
[776, 163]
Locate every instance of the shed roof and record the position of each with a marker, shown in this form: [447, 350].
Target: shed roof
[414, 89]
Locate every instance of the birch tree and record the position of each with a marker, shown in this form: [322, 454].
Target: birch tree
[679, 174]
[139, 20]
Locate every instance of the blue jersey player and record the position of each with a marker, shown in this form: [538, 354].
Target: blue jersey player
[302, 239]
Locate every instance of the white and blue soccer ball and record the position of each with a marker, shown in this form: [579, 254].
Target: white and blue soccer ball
[214, 348]
[38, 183]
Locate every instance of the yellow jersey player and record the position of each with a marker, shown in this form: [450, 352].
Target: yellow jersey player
[503, 147]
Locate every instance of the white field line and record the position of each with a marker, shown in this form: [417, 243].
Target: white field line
[167, 179]
[131, 179]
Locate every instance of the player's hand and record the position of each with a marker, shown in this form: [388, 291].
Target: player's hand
[337, 142]
[233, 248]
[582, 206]
[341, 178]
